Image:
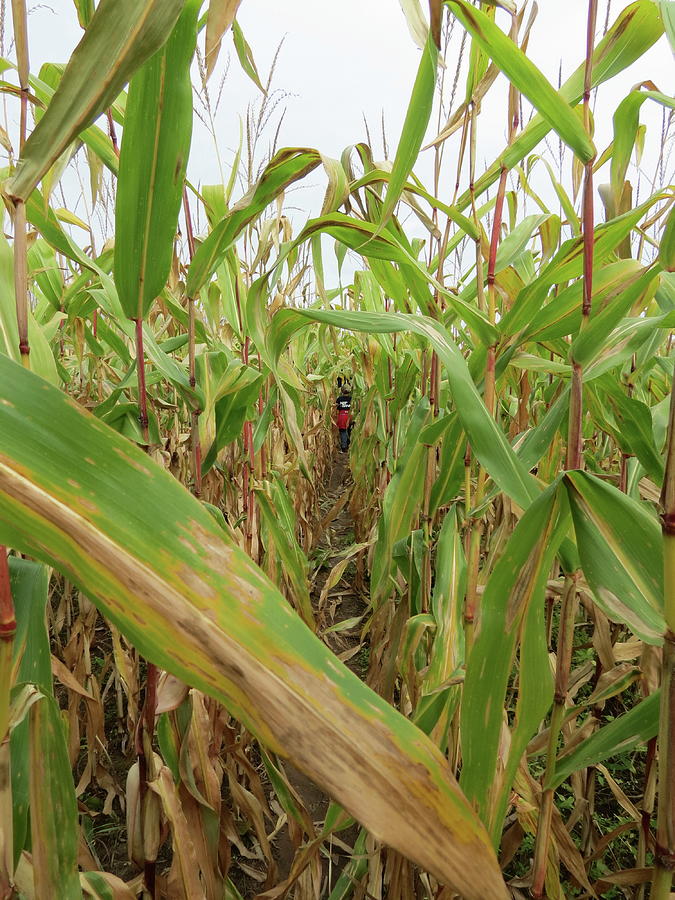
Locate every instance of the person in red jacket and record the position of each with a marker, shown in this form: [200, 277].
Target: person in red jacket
[344, 416]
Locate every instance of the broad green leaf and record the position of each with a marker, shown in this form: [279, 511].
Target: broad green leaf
[32, 665]
[401, 501]
[621, 554]
[53, 808]
[625, 733]
[122, 34]
[162, 571]
[287, 166]
[525, 76]
[153, 160]
[414, 128]
[487, 440]
[627, 339]
[635, 30]
[229, 390]
[515, 585]
[626, 121]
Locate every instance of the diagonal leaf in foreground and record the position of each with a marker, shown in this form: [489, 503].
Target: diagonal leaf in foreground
[82, 498]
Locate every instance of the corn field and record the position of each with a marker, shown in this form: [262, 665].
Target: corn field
[236, 663]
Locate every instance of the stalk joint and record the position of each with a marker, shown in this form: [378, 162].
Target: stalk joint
[664, 858]
[7, 630]
[668, 522]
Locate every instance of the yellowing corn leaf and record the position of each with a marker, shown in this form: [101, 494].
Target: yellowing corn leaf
[155, 561]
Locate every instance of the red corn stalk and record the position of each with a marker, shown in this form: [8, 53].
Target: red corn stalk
[7, 632]
[665, 829]
[142, 394]
[575, 430]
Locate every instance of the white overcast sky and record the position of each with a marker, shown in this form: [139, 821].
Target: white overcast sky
[343, 61]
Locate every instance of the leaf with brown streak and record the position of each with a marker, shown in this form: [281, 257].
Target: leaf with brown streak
[197, 606]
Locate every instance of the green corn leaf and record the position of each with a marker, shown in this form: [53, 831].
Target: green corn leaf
[287, 166]
[400, 503]
[626, 121]
[44, 268]
[43, 217]
[451, 469]
[163, 572]
[516, 584]
[592, 340]
[245, 55]
[32, 665]
[635, 30]
[624, 734]
[53, 808]
[85, 10]
[414, 128]
[632, 427]
[525, 76]
[122, 34]
[621, 554]
[153, 159]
